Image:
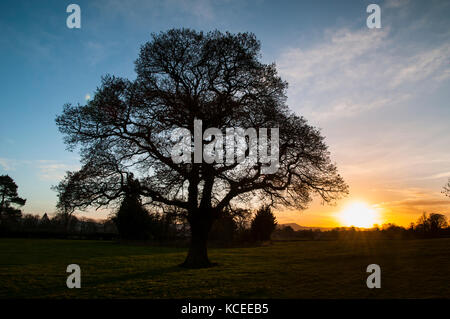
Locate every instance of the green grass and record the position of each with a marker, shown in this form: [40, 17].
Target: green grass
[33, 268]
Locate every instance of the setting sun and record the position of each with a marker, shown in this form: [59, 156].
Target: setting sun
[359, 215]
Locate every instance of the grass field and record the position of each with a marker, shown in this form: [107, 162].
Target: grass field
[36, 268]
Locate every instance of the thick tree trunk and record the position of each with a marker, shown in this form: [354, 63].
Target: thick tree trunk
[198, 251]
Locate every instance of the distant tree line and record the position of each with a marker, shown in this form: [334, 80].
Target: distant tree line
[131, 221]
[134, 222]
[427, 226]
[35, 226]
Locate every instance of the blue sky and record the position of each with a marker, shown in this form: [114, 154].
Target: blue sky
[380, 96]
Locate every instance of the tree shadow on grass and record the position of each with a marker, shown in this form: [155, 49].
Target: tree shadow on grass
[151, 274]
[92, 282]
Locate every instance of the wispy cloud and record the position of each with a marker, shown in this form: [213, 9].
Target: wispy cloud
[395, 3]
[352, 71]
[438, 175]
[419, 202]
[47, 170]
[141, 10]
[413, 202]
[50, 170]
[7, 164]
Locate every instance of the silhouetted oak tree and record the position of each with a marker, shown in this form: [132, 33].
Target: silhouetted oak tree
[184, 75]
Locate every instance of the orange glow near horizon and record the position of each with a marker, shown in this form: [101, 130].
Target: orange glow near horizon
[359, 214]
